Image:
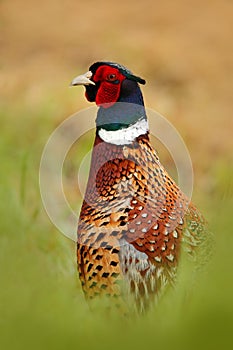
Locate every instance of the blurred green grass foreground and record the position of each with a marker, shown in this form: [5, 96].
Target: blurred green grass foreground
[184, 53]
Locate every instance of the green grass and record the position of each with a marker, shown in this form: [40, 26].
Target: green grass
[42, 306]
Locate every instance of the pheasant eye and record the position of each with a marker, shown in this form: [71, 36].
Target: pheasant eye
[111, 77]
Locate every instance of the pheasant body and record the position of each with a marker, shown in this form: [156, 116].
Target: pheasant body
[134, 217]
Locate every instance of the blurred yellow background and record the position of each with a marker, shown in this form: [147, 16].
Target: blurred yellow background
[182, 48]
[184, 51]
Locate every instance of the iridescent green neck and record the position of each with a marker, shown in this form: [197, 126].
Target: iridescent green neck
[127, 111]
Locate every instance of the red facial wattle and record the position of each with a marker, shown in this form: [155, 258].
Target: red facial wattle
[110, 80]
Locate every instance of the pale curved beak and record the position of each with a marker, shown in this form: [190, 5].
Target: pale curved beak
[83, 79]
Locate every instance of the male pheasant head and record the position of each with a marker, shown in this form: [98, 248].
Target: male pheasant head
[107, 83]
[115, 89]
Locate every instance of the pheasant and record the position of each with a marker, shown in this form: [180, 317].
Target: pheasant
[134, 217]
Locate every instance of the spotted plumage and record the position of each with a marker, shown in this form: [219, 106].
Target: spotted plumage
[134, 217]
